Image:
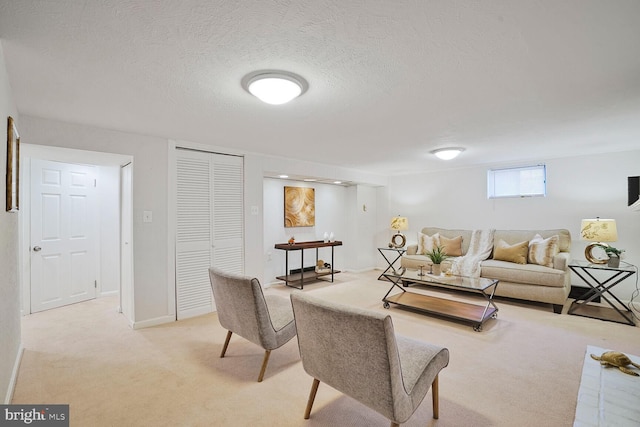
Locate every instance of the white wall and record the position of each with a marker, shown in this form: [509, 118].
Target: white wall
[10, 341]
[364, 208]
[578, 187]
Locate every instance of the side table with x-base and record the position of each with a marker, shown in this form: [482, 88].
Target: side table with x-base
[397, 252]
[601, 279]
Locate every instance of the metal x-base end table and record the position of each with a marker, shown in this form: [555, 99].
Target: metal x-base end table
[398, 253]
[601, 287]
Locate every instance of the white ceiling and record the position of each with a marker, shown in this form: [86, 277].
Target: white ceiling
[389, 81]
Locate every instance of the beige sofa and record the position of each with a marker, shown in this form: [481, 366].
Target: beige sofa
[528, 281]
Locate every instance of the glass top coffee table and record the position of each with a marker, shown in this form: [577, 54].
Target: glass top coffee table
[476, 314]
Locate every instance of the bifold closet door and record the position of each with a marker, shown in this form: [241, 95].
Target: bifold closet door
[209, 225]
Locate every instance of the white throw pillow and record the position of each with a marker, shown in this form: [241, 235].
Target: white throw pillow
[427, 243]
[542, 251]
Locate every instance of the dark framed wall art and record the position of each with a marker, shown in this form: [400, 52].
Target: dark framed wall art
[13, 166]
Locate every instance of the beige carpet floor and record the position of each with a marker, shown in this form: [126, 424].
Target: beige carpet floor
[523, 369]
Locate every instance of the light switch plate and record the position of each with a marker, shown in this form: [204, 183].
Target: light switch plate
[147, 216]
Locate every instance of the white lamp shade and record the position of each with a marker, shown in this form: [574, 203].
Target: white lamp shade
[599, 230]
[399, 223]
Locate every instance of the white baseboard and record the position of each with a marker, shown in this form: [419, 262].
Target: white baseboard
[14, 376]
[153, 322]
[109, 293]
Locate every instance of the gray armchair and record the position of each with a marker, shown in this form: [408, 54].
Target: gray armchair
[265, 320]
[357, 352]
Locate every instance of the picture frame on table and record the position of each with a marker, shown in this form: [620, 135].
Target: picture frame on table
[13, 166]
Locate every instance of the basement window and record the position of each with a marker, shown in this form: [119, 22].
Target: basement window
[526, 181]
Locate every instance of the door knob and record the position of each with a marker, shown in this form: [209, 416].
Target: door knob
[37, 248]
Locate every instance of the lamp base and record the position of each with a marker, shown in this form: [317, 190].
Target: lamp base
[398, 241]
[592, 258]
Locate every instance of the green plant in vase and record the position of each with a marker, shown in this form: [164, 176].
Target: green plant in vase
[437, 255]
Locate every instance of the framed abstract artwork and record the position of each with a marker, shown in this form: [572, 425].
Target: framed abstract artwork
[13, 166]
[299, 207]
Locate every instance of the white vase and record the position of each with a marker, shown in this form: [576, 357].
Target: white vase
[332, 237]
[326, 236]
[436, 269]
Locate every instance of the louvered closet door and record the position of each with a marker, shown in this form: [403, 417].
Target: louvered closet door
[228, 220]
[209, 226]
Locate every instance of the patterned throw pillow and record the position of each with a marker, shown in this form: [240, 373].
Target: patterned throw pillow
[452, 247]
[427, 243]
[542, 251]
[511, 253]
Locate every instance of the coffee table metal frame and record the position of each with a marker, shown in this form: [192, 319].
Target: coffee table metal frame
[476, 314]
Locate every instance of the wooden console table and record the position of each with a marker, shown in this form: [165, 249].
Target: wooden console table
[294, 279]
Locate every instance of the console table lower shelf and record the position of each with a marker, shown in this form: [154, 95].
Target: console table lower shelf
[296, 279]
[444, 307]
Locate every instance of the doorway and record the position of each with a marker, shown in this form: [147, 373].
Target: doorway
[107, 262]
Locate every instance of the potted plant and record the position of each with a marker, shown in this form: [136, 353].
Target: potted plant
[614, 256]
[437, 255]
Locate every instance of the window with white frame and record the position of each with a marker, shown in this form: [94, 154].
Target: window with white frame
[526, 181]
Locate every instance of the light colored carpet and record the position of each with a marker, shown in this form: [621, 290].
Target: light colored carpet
[523, 369]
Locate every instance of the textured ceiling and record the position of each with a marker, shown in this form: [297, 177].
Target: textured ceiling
[389, 81]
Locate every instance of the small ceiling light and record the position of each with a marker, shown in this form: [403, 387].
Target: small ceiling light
[274, 87]
[337, 182]
[283, 176]
[447, 153]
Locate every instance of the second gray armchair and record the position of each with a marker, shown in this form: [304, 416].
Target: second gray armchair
[357, 352]
[243, 309]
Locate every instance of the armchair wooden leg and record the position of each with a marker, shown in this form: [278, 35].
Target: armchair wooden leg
[312, 397]
[395, 425]
[434, 396]
[226, 343]
[267, 353]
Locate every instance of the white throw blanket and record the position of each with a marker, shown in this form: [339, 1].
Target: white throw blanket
[479, 249]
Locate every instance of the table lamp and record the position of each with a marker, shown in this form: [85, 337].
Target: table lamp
[399, 223]
[597, 231]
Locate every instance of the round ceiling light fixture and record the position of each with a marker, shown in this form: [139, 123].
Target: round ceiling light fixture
[274, 87]
[447, 153]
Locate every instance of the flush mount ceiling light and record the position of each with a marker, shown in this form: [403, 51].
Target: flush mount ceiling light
[447, 153]
[274, 87]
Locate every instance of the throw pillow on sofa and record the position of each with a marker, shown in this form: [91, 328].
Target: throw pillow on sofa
[452, 247]
[512, 253]
[542, 251]
[427, 243]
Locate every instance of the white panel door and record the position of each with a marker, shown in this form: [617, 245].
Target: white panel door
[209, 226]
[63, 234]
